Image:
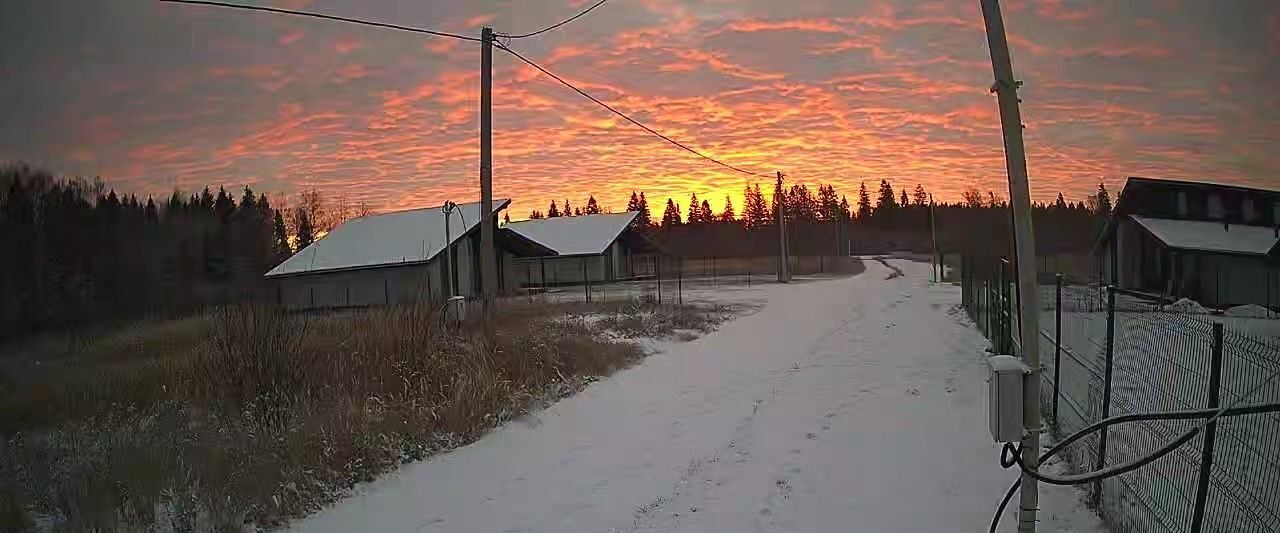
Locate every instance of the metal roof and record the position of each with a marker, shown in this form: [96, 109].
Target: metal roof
[1208, 236]
[580, 235]
[386, 239]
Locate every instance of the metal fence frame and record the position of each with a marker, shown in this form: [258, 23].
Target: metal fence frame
[1120, 352]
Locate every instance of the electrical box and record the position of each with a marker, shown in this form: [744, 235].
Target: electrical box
[455, 309]
[1004, 386]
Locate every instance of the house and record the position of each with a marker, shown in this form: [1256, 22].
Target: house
[393, 258]
[595, 248]
[1216, 244]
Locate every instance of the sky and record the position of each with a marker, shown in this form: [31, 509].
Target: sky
[155, 97]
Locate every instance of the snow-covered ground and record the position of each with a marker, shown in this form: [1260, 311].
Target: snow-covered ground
[847, 404]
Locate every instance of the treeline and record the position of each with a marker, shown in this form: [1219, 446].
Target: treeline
[77, 252]
[824, 221]
[826, 205]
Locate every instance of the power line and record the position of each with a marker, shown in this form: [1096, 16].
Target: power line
[627, 118]
[556, 25]
[322, 16]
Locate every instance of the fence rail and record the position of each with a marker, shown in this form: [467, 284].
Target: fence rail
[1112, 352]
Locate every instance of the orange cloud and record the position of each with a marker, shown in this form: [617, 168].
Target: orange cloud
[345, 46]
[289, 38]
[479, 20]
[1119, 52]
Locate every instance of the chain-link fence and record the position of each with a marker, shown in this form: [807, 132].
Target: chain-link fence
[1108, 352]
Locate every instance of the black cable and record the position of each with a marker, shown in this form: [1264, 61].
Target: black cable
[1210, 414]
[627, 118]
[322, 16]
[556, 25]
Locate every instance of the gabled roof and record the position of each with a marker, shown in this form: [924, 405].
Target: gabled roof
[387, 239]
[1207, 236]
[580, 235]
[1129, 201]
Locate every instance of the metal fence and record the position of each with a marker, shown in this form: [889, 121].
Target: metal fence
[987, 292]
[1110, 352]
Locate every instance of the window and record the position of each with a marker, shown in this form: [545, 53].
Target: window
[1247, 211]
[1182, 204]
[1215, 207]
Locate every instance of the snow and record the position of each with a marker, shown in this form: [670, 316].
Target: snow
[580, 235]
[1187, 306]
[411, 236]
[1248, 311]
[1210, 236]
[841, 404]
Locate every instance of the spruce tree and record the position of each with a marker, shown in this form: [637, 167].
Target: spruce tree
[593, 208]
[920, 196]
[553, 212]
[1104, 200]
[671, 216]
[280, 239]
[864, 203]
[727, 214]
[303, 227]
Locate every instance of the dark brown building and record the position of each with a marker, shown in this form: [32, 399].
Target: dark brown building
[1216, 244]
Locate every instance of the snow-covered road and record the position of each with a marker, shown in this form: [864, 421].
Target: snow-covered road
[850, 404]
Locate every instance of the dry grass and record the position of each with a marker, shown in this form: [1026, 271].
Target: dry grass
[252, 415]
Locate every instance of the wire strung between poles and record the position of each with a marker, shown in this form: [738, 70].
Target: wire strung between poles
[584, 94]
[294, 12]
[553, 26]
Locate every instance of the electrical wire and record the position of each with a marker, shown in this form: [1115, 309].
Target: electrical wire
[556, 25]
[282, 11]
[627, 118]
[1211, 415]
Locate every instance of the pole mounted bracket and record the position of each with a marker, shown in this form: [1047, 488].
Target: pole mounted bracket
[1001, 84]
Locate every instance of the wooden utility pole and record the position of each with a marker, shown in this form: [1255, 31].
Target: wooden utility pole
[933, 240]
[1006, 89]
[780, 198]
[488, 261]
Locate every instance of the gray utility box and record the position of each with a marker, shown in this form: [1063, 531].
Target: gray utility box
[1004, 397]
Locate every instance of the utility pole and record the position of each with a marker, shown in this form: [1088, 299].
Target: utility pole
[488, 262]
[780, 198]
[933, 238]
[1006, 89]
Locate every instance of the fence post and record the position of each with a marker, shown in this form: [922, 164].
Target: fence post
[1106, 389]
[1206, 454]
[986, 307]
[657, 267]
[1057, 345]
[680, 281]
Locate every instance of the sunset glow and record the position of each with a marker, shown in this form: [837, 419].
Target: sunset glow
[154, 97]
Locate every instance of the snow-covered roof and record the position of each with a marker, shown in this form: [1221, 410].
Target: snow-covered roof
[580, 235]
[385, 239]
[1208, 236]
